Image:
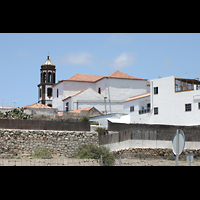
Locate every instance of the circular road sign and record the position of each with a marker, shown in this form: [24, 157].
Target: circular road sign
[178, 142]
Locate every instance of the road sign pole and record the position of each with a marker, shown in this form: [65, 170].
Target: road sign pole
[177, 146]
[176, 160]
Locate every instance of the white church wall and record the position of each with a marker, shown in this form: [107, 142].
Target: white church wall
[90, 96]
[57, 101]
[122, 89]
[73, 87]
[102, 85]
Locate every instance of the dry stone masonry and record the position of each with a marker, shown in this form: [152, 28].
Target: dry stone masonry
[59, 143]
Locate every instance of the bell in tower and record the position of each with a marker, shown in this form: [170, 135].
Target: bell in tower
[47, 79]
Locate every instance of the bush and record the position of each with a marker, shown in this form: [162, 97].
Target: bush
[85, 119]
[94, 152]
[94, 123]
[101, 131]
[16, 113]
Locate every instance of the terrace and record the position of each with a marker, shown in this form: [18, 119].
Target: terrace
[183, 85]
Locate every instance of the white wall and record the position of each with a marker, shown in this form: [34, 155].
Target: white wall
[122, 89]
[57, 101]
[148, 144]
[137, 103]
[171, 105]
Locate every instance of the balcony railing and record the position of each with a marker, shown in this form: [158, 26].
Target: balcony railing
[144, 111]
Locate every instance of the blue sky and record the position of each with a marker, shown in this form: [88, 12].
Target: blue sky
[143, 55]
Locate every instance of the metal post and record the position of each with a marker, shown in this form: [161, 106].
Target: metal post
[177, 147]
[101, 160]
[190, 161]
[176, 160]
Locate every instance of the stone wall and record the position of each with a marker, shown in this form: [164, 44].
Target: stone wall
[150, 153]
[59, 143]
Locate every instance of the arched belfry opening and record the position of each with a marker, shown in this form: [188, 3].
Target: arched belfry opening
[47, 79]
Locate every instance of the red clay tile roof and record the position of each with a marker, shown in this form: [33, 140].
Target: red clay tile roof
[85, 78]
[95, 78]
[37, 105]
[138, 97]
[119, 74]
[79, 110]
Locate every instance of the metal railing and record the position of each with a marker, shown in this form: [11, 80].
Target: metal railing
[144, 111]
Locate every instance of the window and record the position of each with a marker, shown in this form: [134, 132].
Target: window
[50, 105]
[49, 92]
[199, 105]
[155, 90]
[156, 111]
[57, 93]
[131, 108]
[67, 107]
[49, 77]
[40, 92]
[44, 77]
[99, 91]
[188, 107]
[182, 85]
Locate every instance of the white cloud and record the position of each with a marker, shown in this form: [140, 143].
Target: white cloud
[83, 58]
[124, 60]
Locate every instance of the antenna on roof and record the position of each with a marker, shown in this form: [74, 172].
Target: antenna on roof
[48, 56]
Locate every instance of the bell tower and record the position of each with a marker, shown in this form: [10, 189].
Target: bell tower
[47, 79]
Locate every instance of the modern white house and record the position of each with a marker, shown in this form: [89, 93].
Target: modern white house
[172, 100]
[175, 101]
[105, 93]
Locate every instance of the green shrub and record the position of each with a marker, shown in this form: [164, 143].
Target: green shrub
[94, 152]
[85, 119]
[39, 153]
[16, 113]
[100, 131]
[94, 123]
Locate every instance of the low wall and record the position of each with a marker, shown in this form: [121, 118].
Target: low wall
[44, 125]
[154, 144]
[59, 143]
[149, 132]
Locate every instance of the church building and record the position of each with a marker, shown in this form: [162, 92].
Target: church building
[105, 93]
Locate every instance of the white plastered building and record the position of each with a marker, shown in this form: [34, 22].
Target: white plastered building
[172, 100]
[105, 93]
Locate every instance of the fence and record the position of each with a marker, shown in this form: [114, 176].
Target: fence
[44, 125]
[147, 132]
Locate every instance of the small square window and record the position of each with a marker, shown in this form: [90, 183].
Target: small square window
[155, 90]
[131, 108]
[156, 111]
[188, 107]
